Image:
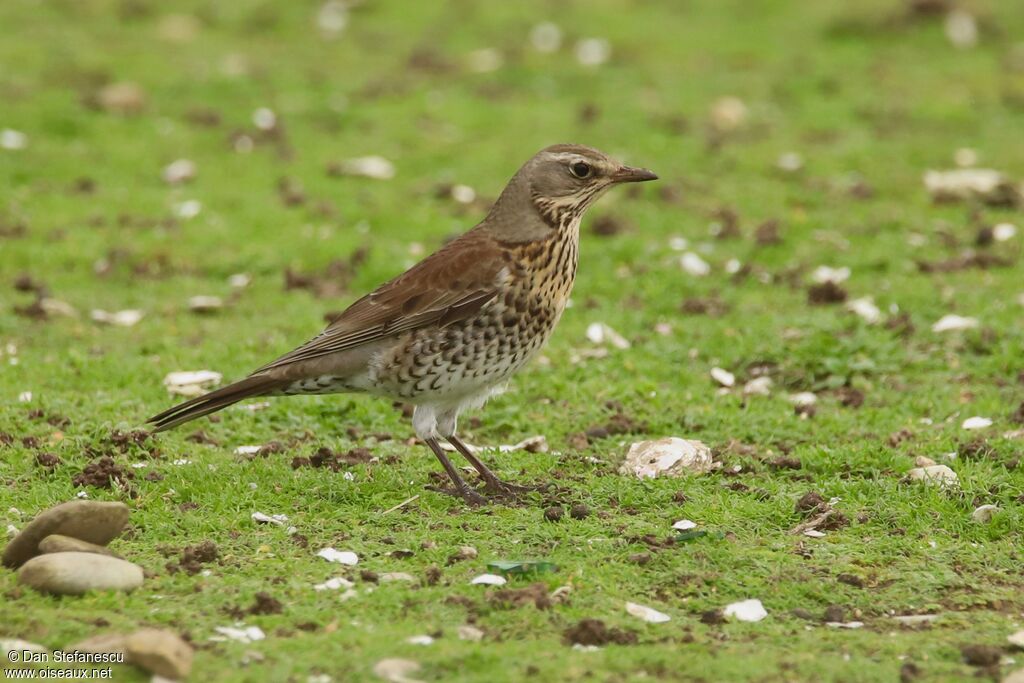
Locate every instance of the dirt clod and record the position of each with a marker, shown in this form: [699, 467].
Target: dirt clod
[825, 293]
[554, 513]
[595, 632]
[579, 511]
[834, 613]
[102, 474]
[981, 655]
[811, 502]
[536, 593]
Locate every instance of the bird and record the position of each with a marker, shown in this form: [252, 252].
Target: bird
[448, 333]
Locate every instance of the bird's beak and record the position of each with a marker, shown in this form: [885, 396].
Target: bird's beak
[628, 174]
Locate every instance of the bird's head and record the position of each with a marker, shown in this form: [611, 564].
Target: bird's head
[554, 188]
[566, 179]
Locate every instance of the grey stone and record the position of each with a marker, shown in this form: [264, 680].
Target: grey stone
[78, 573]
[56, 543]
[92, 521]
[159, 651]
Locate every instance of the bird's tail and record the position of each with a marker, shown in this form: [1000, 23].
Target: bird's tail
[255, 385]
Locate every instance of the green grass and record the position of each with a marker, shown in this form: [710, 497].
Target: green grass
[860, 90]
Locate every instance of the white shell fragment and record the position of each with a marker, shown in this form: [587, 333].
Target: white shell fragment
[723, 377]
[694, 264]
[961, 29]
[968, 183]
[790, 162]
[463, 194]
[685, 525]
[600, 333]
[746, 610]
[534, 444]
[984, 513]
[823, 274]
[57, 307]
[243, 634]
[396, 670]
[1003, 232]
[179, 171]
[484, 60]
[593, 51]
[759, 386]
[11, 139]
[420, 640]
[276, 520]
[953, 323]
[935, 474]
[865, 308]
[264, 118]
[191, 382]
[125, 318]
[546, 37]
[651, 616]
[803, 399]
[489, 580]
[976, 422]
[1016, 639]
[248, 450]
[240, 280]
[332, 18]
[728, 114]
[669, 457]
[333, 584]
[845, 624]
[340, 556]
[189, 208]
[914, 619]
[470, 633]
[205, 304]
[376, 167]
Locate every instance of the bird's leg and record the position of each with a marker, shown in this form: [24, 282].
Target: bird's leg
[493, 484]
[461, 487]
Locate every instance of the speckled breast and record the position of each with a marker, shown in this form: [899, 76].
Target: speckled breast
[485, 350]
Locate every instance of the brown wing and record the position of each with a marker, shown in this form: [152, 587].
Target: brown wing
[450, 285]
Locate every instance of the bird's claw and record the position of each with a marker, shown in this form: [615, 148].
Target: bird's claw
[471, 497]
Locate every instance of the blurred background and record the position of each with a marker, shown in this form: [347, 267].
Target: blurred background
[152, 150]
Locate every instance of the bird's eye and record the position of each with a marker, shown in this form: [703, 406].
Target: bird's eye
[580, 169]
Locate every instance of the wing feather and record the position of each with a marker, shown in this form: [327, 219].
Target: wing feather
[448, 286]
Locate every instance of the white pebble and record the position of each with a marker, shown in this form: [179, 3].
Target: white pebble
[179, 171]
[13, 139]
[546, 37]
[1001, 232]
[976, 422]
[264, 119]
[953, 322]
[648, 614]
[593, 51]
[984, 513]
[723, 377]
[823, 274]
[694, 264]
[339, 556]
[489, 580]
[746, 610]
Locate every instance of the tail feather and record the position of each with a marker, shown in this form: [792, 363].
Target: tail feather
[255, 385]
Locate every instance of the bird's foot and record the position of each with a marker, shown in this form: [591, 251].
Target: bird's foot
[467, 494]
